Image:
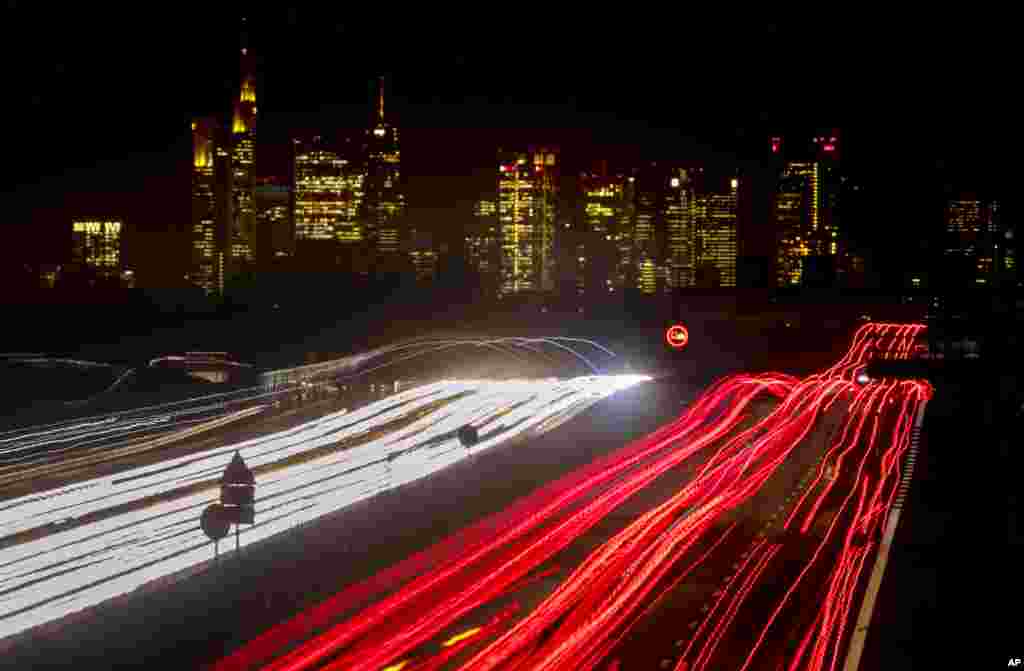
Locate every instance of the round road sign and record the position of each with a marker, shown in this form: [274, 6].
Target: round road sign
[677, 336]
[215, 522]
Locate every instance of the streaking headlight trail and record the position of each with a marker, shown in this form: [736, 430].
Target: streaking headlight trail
[82, 544]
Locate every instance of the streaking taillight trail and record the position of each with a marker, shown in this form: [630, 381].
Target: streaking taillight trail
[597, 603]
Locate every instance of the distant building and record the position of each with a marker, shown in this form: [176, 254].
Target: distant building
[49, 275]
[805, 212]
[243, 161]
[483, 244]
[853, 271]
[647, 187]
[586, 265]
[605, 210]
[327, 193]
[715, 225]
[224, 211]
[527, 212]
[424, 257]
[979, 248]
[570, 263]
[272, 205]
[679, 230]
[384, 205]
[207, 232]
[96, 246]
[796, 212]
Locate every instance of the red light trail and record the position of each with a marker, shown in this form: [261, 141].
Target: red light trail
[585, 618]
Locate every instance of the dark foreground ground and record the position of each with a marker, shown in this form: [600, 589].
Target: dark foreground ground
[954, 584]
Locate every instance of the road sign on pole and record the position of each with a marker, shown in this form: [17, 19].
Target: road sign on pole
[216, 523]
[238, 494]
[677, 336]
[468, 435]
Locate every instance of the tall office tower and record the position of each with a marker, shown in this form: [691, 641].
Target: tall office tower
[807, 207]
[350, 229]
[977, 248]
[423, 256]
[321, 193]
[546, 172]
[384, 194]
[714, 223]
[272, 203]
[679, 228]
[209, 228]
[483, 244]
[527, 210]
[96, 246]
[604, 212]
[797, 216]
[243, 147]
[647, 192]
[625, 244]
[224, 202]
[826, 240]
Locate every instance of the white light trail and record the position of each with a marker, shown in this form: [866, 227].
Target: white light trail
[63, 569]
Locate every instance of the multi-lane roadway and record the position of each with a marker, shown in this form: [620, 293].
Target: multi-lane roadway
[77, 545]
[783, 517]
[738, 535]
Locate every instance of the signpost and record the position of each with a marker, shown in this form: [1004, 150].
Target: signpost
[677, 336]
[468, 436]
[215, 524]
[237, 503]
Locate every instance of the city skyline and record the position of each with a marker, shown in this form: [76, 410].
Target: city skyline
[446, 161]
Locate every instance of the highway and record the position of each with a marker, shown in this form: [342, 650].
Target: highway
[737, 535]
[83, 543]
[825, 461]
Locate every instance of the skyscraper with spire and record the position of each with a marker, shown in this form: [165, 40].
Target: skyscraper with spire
[243, 158]
[384, 200]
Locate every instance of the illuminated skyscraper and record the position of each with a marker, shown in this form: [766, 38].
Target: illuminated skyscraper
[243, 147]
[527, 210]
[678, 206]
[224, 202]
[327, 192]
[648, 192]
[797, 216]
[483, 244]
[423, 255]
[606, 212]
[271, 200]
[626, 242]
[714, 221]
[827, 239]
[385, 198]
[977, 241]
[211, 223]
[806, 208]
[96, 246]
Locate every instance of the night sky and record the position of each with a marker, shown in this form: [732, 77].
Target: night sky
[101, 97]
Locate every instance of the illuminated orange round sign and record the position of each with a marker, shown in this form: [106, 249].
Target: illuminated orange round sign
[677, 336]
